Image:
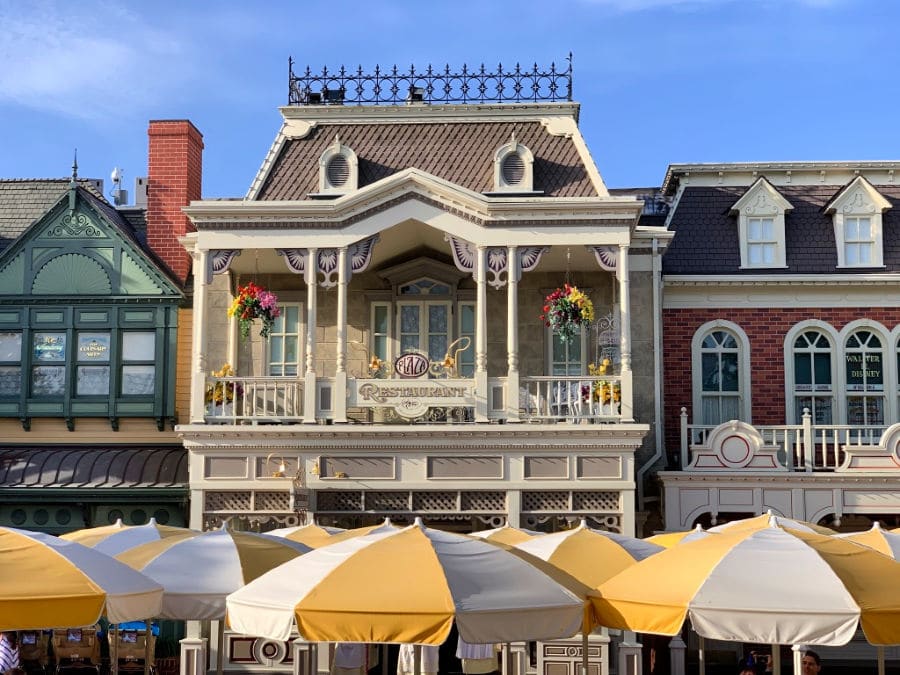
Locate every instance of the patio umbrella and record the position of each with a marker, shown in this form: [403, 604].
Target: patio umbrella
[767, 585]
[670, 539]
[506, 535]
[198, 570]
[46, 582]
[883, 541]
[312, 535]
[385, 526]
[406, 585]
[763, 522]
[118, 537]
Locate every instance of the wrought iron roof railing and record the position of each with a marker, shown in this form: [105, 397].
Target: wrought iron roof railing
[395, 86]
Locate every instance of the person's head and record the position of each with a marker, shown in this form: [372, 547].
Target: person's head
[810, 663]
[747, 670]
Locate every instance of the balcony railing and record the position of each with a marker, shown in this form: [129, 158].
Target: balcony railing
[800, 447]
[567, 399]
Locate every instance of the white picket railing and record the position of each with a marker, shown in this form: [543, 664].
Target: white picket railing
[276, 399]
[570, 398]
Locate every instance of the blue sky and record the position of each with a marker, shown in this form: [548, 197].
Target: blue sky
[660, 81]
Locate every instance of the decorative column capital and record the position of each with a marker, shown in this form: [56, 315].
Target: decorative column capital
[464, 255]
[359, 254]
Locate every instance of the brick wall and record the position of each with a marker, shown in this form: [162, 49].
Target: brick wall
[766, 329]
[175, 168]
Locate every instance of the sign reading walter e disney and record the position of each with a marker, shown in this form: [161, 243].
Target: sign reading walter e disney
[412, 399]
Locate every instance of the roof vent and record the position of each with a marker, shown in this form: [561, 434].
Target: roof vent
[513, 169]
[338, 171]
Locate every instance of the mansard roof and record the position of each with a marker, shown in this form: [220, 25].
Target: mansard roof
[706, 233]
[461, 152]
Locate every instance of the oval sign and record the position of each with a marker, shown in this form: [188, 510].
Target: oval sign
[411, 365]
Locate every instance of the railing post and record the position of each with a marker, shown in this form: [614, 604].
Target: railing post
[684, 439]
[193, 656]
[808, 447]
[518, 658]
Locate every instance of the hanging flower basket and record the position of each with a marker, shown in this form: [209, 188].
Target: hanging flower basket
[566, 310]
[254, 302]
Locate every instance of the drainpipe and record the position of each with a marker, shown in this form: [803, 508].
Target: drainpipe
[657, 369]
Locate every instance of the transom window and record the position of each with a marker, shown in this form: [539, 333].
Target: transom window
[720, 390]
[425, 287]
[813, 388]
[761, 241]
[864, 363]
[859, 241]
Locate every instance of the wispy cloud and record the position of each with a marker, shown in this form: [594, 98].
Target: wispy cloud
[83, 60]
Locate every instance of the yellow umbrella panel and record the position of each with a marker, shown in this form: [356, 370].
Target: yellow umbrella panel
[118, 537]
[670, 539]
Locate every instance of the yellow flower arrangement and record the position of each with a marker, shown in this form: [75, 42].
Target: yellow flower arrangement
[222, 392]
[604, 391]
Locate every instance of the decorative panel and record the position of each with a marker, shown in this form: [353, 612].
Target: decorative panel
[12, 276]
[387, 501]
[545, 500]
[607, 500]
[357, 467]
[599, 467]
[93, 317]
[7, 318]
[339, 500]
[465, 467]
[272, 501]
[492, 500]
[135, 281]
[225, 467]
[48, 316]
[436, 501]
[71, 274]
[233, 501]
[133, 316]
[546, 467]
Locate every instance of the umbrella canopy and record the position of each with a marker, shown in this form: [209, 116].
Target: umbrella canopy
[763, 521]
[406, 585]
[118, 538]
[591, 556]
[385, 526]
[768, 585]
[883, 541]
[312, 535]
[670, 539]
[46, 582]
[506, 535]
[198, 570]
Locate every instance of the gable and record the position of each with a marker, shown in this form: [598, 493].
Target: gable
[77, 248]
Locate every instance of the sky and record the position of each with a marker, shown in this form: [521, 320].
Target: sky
[659, 81]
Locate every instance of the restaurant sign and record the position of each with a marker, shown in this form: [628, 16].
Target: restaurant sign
[412, 399]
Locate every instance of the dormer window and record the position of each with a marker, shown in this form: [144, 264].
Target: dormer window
[338, 169]
[513, 168]
[856, 211]
[761, 226]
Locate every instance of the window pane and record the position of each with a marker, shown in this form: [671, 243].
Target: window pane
[11, 347]
[874, 372]
[467, 318]
[823, 370]
[409, 343]
[437, 319]
[93, 347]
[380, 346]
[754, 230]
[803, 371]
[381, 320]
[291, 315]
[139, 346]
[275, 349]
[49, 347]
[710, 372]
[755, 254]
[437, 347]
[138, 380]
[409, 320]
[10, 380]
[768, 229]
[729, 372]
[291, 348]
[48, 380]
[92, 381]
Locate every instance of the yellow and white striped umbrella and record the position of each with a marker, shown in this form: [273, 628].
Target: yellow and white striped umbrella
[768, 585]
[198, 570]
[118, 537]
[591, 556]
[506, 535]
[670, 539]
[883, 541]
[385, 526]
[762, 522]
[406, 585]
[46, 582]
[312, 535]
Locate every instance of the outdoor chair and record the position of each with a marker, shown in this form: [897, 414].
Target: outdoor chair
[76, 649]
[131, 650]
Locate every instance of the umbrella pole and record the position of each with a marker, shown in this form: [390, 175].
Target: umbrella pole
[114, 649]
[880, 651]
[417, 659]
[701, 655]
[148, 624]
[776, 659]
[584, 651]
[220, 652]
[384, 659]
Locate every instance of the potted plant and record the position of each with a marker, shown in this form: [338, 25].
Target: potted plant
[220, 393]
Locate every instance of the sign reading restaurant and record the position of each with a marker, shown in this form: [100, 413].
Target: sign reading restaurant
[412, 399]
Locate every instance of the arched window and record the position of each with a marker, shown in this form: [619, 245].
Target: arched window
[720, 374]
[813, 381]
[864, 362]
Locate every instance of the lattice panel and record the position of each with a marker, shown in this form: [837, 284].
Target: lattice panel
[228, 501]
[387, 501]
[483, 501]
[339, 500]
[596, 501]
[435, 502]
[272, 501]
[545, 501]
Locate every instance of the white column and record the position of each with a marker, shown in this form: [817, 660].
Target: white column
[309, 389]
[193, 655]
[513, 275]
[198, 336]
[481, 378]
[622, 274]
[339, 393]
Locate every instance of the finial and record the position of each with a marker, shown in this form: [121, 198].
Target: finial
[418, 522]
[73, 184]
[75, 167]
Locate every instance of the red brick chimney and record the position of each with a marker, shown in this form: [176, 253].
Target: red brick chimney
[175, 169]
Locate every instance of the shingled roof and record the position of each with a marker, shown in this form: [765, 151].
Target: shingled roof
[23, 201]
[706, 234]
[460, 152]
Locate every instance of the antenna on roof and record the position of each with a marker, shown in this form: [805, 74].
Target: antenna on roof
[120, 196]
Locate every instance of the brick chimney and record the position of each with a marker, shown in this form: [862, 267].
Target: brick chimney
[175, 168]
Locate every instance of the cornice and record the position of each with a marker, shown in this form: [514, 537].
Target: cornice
[688, 280]
[795, 479]
[429, 113]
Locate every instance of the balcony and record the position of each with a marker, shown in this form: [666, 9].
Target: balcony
[536, 399]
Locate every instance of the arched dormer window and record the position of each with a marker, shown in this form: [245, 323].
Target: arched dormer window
[338, 169]
[513, 168]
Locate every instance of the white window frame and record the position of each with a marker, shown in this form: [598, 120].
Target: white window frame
[422, 303]
[790, 391]
[744, 381]
[301, 340]
[548, 368]
[389, 348]
[887, 383]
[762, 202]
[859, 199]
